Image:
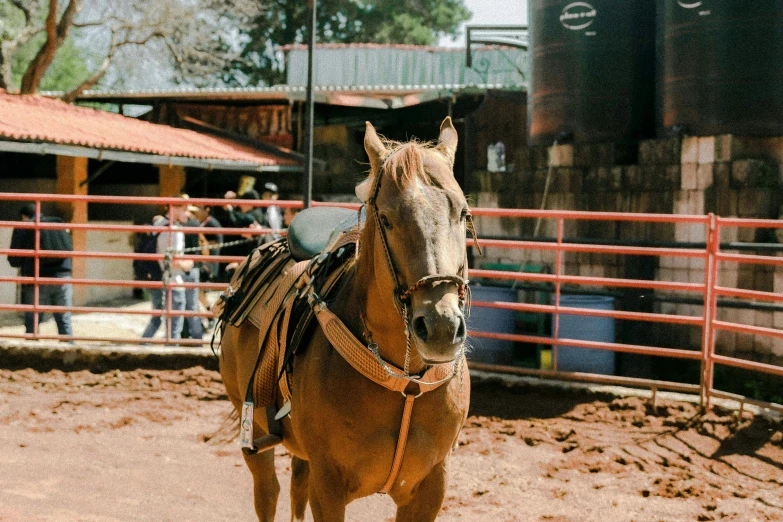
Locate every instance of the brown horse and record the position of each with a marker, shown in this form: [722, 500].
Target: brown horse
[405, 295]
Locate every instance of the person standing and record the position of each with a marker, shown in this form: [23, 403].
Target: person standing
[193, 327]
[173, 241]
[208, 242]
[274, 216]
[58, 267]
[240, 215]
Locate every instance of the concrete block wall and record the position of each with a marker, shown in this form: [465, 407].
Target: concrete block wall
[727, 175]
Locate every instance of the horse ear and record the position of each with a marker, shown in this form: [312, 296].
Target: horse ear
[376, 152]
[374, 148]
[447, 142]
[363, 189]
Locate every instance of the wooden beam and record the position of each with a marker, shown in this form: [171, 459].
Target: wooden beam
[171, 180]
[71, 173]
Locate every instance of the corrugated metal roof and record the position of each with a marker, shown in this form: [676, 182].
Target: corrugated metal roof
[43, 120]
[381, 65]
[376, 96]
[403, 47]
[279, 93]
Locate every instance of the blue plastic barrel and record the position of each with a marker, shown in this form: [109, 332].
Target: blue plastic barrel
[586, 328]
[482, 349]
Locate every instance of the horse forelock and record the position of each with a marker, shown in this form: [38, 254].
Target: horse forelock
[405, 162]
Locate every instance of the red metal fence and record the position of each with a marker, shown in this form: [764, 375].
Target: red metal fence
[707, 288]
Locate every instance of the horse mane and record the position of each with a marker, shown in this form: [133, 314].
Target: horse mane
[404, 162]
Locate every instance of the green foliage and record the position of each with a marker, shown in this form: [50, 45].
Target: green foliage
[70, 66]
[418, 22]
[67, 71]
[11, 20]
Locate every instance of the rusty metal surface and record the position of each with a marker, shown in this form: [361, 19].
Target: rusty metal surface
[722, 69]
[592, 74]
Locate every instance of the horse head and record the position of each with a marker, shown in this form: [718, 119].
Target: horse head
[416, 223]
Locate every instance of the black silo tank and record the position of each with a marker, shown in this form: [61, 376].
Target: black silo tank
[722, 66]
[593, 70]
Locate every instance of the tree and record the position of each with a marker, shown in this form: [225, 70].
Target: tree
[284, 22]
[196, 35]
[67, 70]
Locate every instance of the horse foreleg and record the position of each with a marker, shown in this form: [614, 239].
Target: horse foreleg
[425, 501]
[266, 488]
[300, 475]
[327, 496]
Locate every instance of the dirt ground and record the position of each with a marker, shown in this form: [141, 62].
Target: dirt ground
[152, 445]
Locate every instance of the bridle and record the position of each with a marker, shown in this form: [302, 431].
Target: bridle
[371, 364]
[403, 293]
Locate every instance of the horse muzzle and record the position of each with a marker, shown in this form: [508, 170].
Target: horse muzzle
[439, 329]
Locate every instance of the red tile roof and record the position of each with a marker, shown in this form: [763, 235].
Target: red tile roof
[39, 119]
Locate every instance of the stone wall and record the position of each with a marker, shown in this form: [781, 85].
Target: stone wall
[726, 175]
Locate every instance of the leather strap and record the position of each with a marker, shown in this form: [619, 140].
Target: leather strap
[407, 412]
[302, 282]
[363, 360]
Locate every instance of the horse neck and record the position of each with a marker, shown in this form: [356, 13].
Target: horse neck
[371, 296]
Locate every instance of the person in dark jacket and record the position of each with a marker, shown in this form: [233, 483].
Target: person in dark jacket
[210, 244]
[59, 267]
[240, 216]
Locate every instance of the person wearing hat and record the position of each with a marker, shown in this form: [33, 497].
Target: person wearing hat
[274, 216]
[59, 267]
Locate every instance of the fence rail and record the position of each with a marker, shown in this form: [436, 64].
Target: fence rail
[694, 271]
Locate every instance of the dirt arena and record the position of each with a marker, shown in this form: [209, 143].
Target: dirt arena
[151, 445]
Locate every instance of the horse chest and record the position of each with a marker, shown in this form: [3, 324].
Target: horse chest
[360, 433]
[343, 420]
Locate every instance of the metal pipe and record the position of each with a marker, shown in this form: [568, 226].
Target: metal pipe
[307, 176]
[542, 282]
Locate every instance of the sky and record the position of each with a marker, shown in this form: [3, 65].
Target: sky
[494, 12]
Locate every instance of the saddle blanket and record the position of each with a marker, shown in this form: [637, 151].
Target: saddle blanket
[264, 291]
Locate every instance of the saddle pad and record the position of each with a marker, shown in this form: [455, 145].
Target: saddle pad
[256, 278]
[264, 292]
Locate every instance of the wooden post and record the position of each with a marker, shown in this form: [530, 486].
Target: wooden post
[71, 172]
[171, 180]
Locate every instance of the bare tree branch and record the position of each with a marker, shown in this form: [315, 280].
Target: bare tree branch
[89, 82]
[197, 37]
[10, 43]
[23, 6]
[56, 33]
[101, 71]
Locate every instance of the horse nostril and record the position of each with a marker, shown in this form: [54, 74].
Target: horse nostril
[461, 332]
[420, 328]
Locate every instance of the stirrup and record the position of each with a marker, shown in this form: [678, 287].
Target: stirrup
[251, 446]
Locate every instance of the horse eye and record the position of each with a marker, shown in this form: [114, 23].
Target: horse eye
[464, 214]
[385, 222]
